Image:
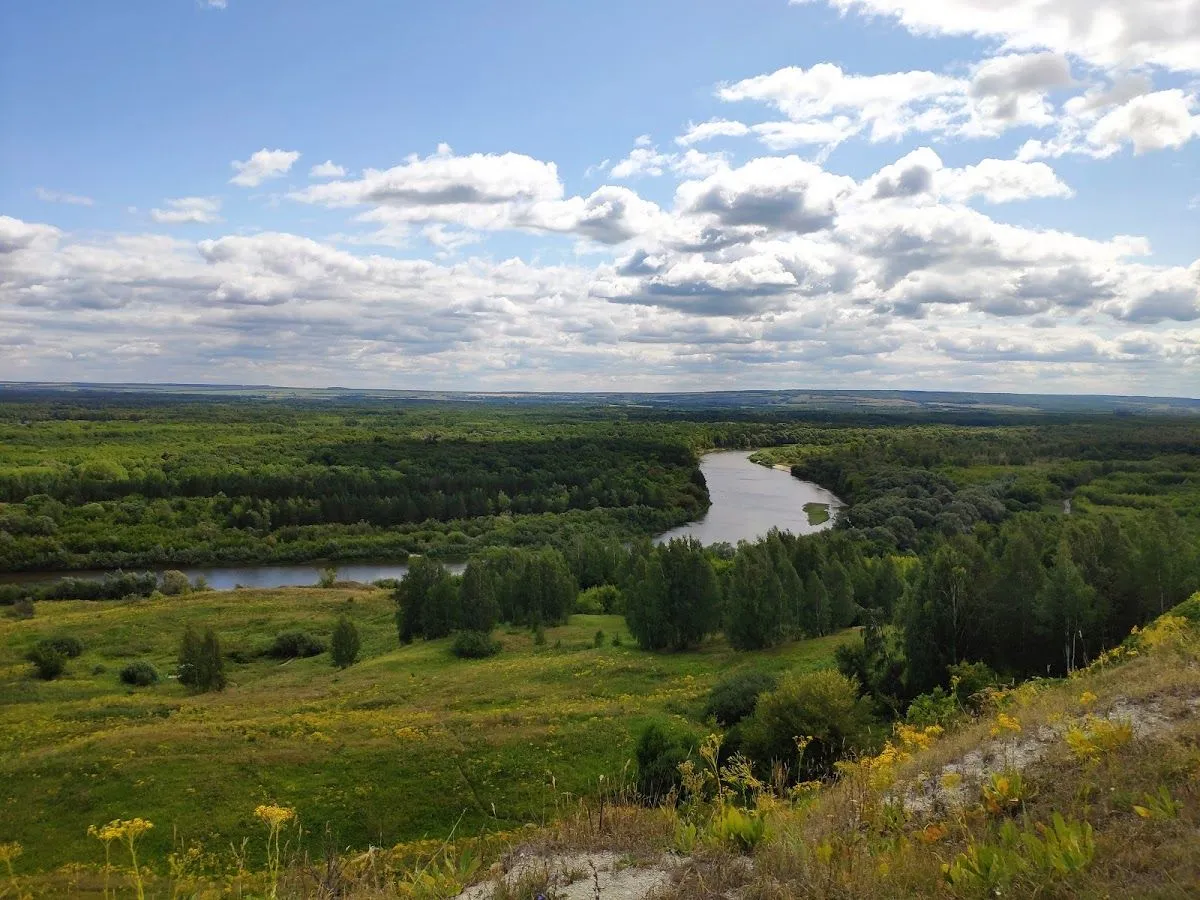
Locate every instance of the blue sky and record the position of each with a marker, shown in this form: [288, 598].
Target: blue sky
[905, 194]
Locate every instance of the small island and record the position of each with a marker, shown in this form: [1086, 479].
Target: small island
[818, 513]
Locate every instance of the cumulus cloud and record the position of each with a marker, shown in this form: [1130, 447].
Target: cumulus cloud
[1106, 33]
[188, 210]
[713, 128]
[262, 166]
[444, 179]
[1103, 122]
[327, 169]
[50, 196]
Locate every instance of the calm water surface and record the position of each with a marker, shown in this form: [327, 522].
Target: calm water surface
[747, 501]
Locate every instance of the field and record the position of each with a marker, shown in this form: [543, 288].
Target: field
[394, 748]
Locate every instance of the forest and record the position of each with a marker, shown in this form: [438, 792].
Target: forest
[969, 558]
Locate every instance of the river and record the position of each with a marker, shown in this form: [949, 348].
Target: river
[747, 501]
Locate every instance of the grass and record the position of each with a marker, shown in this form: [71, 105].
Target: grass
[395, 748]
[818, 513]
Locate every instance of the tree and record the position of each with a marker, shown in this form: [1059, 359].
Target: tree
[754, 601]
[940, 614]
[425, 600]
[822, 707]
[1067, 608]
[174, 582]
[344, 643]
[189, 657]
[674, 596]
[478, 609]
[211, 674]
[841, 594]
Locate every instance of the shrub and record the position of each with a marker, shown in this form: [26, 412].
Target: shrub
[344, 643]
[174, 583]
[734, 698]
[200, 663]
[292, 644]
[605, 599]
[822, 707]
[328, 577]
[22, 608]
[48, 662]
[474, 645]
[658, 754]
[139, 674]
[68, 646]
[598, 640]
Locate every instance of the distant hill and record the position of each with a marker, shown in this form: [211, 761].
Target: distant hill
[798, 400]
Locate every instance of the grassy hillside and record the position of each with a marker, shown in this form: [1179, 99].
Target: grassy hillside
[396, 748]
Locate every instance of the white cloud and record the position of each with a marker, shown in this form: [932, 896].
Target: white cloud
[1101, 123]
[1107, 33]
[50, 196]
[642, 160]
[263, 165]
[713, 128]
[327, 169]
[445, 180]
[1002, 181]
[185, 210]
[1150, 122]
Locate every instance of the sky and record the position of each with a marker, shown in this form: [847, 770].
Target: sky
[653, 195]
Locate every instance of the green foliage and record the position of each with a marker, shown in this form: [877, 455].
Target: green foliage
[735, 697]
[741, 829]
[344, 644]
[427, 601]
[607, 599]
[474, 645]
[48, 661]
[173, 583]
[598, 639]
[658, 753]
[478, 608]
[68, 645]
[139, 674]
[201, 665]
[295, 644]
[673, 600]
[823, 708]
[1033, 857]
[327, 577]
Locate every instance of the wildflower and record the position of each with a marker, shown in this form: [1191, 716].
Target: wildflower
[1005, 722]
[275, 817]
[1086, 699]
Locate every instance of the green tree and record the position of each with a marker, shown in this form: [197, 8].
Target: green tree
[211, 675]
[478, 609]
[189, 657]
[754, 601]
[822, 707]
[344, 644]
[1067, 608]
[426, 601]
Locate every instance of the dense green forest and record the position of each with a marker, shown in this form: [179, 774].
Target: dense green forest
[1027, 545]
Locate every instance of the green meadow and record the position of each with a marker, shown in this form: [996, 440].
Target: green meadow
[399, 747]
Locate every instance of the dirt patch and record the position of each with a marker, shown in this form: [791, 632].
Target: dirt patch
[958, 783]
[582, 876]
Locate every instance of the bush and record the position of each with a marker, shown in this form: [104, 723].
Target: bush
[48, 663]
[68, 646]
[344, 643]
[292, 644]
[328, 577]
[22, 608]
[474, 645]
[659, 753]
[735, 697]
[823, 707]
[598, 640]
[174, 583]
[139, 674]
[605, 599]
